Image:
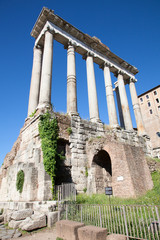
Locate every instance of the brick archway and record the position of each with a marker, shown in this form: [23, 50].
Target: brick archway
[103, 170]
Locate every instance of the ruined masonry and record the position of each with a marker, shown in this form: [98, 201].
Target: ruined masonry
[96, 155]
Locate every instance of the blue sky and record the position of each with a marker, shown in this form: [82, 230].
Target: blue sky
[131, 29]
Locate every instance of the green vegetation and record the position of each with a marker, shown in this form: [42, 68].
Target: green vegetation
[48, 130]
[86, 171]
[85, 190]
[59, 238]
[32, 114]
[69, 130]
[20, 181]
[152, 197]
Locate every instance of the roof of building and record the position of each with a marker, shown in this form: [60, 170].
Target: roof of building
[150, 90]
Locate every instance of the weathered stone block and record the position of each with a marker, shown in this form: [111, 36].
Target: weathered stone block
[116, 237]
[21, 214]
[15, 224]
[68, 229]
[37, 221]
[92, 233]
[52, 217]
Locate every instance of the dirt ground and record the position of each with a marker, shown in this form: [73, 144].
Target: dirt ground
[46, 234]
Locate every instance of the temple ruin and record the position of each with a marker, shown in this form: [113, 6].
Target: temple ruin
[96, 155]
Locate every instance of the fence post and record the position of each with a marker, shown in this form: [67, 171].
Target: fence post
[81, 213]
[125, 220]
[66, 212]
[100, 217]
[58, 213]
[158, 218]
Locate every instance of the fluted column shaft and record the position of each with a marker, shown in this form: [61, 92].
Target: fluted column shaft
[92, 93]
[35, 80]
[46, 79]
[113, 121]
[136, 108]
[124, 103]
[71, 81]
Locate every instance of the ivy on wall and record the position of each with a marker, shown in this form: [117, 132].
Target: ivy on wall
[20, 181]
[48, 130]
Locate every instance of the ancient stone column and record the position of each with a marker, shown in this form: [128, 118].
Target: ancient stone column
[71, 81]
[113, 121]
[35, 80]
[119, 106]
[136, 108]
[46, 78]
[92, 93]
[124, 103]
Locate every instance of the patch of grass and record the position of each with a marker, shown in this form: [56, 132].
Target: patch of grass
[152, 197]
[59, 238]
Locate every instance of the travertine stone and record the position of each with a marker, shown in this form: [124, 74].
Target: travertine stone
[21, 214]
[46, 78]
[71, 81]
[92, 93]
[68, 229]
[35, 80]
[92, 233]
[110, 97]
[124, 103]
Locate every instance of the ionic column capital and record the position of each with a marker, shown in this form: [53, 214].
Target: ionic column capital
[50, 31]
[119, 72]
[132, 80]
[69, 44]
[105, 64]
[88, 54]
[37, 46]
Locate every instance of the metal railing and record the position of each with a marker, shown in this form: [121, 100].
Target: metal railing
[136, 222]
[65, 192]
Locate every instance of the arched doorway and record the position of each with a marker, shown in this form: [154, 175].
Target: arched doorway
[103, 171]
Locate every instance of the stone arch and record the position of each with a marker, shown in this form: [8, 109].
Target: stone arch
[103, 171]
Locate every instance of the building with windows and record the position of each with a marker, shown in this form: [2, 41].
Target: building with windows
[150, 107]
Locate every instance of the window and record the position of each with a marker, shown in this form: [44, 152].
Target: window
[147, 96]
[159, 108]
[141, 99]
[155, 92]
[158, 134]
[150, 111]
[157, 100]
[149, 104]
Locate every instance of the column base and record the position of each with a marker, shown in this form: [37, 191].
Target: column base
[115, 126]
[96, 120]
[73, 113]
[44, 105]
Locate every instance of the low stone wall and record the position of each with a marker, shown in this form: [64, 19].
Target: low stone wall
[41, 206]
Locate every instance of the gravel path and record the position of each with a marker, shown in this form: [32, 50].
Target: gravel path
[47, 234]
